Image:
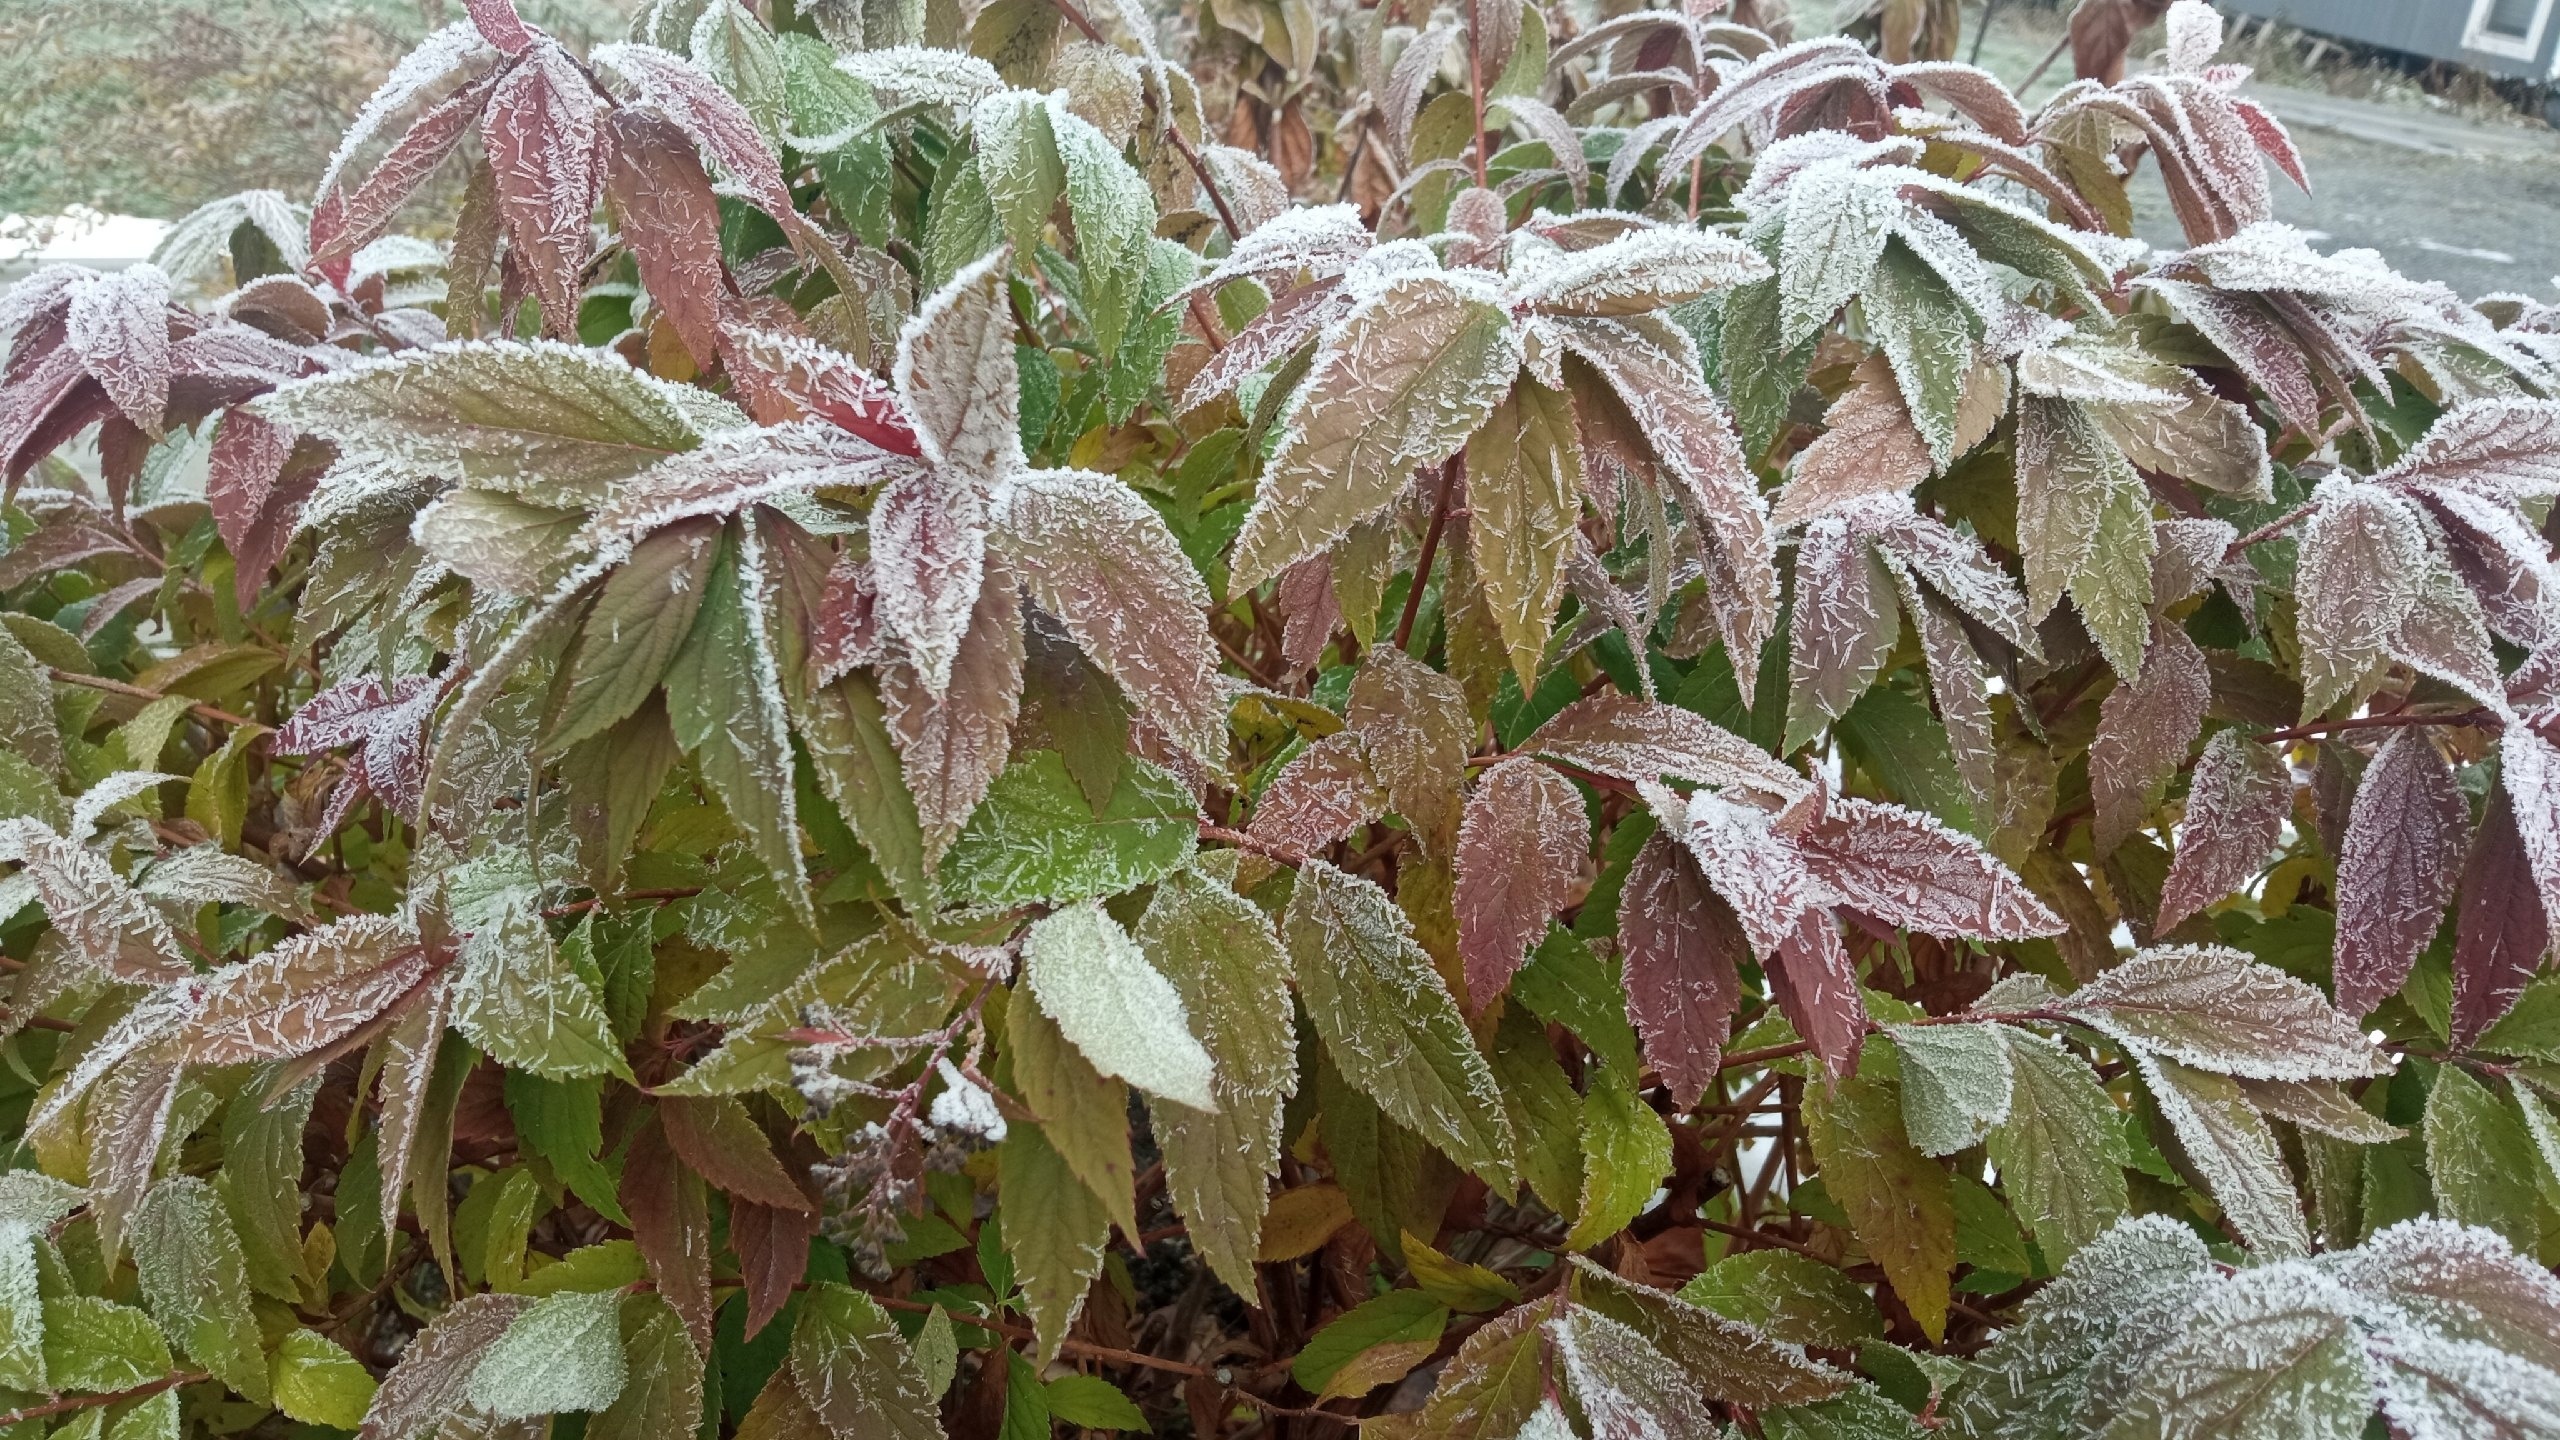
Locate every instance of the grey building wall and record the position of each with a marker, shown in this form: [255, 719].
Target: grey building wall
[2515, 38]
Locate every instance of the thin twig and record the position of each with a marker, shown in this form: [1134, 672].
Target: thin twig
[1075, 16]
[1430, 547]
[1071, 1347]
[2268, 531]
[2477, 717]
[70, 1403]
[1243, 841]
[136, 692]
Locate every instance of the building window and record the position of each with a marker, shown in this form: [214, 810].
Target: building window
[2512, 28]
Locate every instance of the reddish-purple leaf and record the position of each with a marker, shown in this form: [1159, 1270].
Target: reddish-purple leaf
[671, 1221]
[2498, 449]
[845, 633]
[1639, 740]
[389, 727]
[772, 1246]
[543, 141]
[1324, 793]
[670, 220]
[251, 511]
[408, 1074]
[357, 220]
[1756, 870]
[2235, 811]
[431, 1380]
[1415, 723]
[1907, 869]
[952, 745]
[2396, 867]
[1845, 625]
[2530, 768]
[1815, 984]
[1099, 559]
[711, 117]
[1304, 594]
[118, 324]
[928, 561]
[1868, 447]
[2144, 732]
[721, 1142]
[797, 374]
[500, 25]
[304, 994]
[2503, 929]
[1521, 848]
[1681, 946]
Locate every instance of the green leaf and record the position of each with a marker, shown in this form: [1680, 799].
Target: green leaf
[1987, 1236]
[856, 1371]
[1790, 1297]
[1054, 1230]
[961, 226]
[1524, 492]
[2229, 1146]
[825, 103]
[630, 635]
[605, 1265]
[1413, 371]
[1457, 1284]
[27, 728]
[1034, 839]
[518, 999]
[2270, 1354]
[2480, 1158]
[1544, 1112]
[1084, 1113]
[1897, 1199]
[1389, 1021]
[1892, 736]
[562, 1121]
[1927, 338]
[22, 1332]
[1129, 1021]
[1955, 1083]
[1496, 1381]
[318, 1382]
[856, 761]
[1727, 1359]
[98, 1346]
[1626, 1152]
[564, 1353]
[937, 1352]
[724, 698]
[261, 1185]
[552, 423]
[1862, 1414]
[1565, 983]
[1226, 962]
[1114, 215]
[2084, 521]
[663, 1397]
[197, 1284]
[1018, 161]
[1397, 1317]
[1094, 1403]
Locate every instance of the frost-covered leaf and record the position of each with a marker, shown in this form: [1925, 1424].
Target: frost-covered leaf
[2273, 1353]
[1098, 558]
[1898, 1200]
[2146, 726]
[2217, 1009]
[1119, 1010]
[2232, 1151]
[639, 621]
[2236, 809]
[855, 1372]
[1520, 851]
[2396, 868]
[1036, 839]
[1837, 221]
[2084, 520]
[726, 705]
[106, 922]
[1626, 1389]
[1681, 947]
[952, 745]
[1905, 868]
[1226, 961]
[1409, 375]
[2362, 555]
[2060, 1150]
[564, 1352]
[2479, 1160]
[1956, 1084]
[1415, 729]
[1324, 793]
[317, 1381]
[1524, 492]
[1845, 624]
[305, 994]
[519, 999]
[2499, 449]
[197, 1284]
[928, 562]
[1114, 213]
[1389, 1022]
[1056, 1243]
[1637, 740]
[1727, 1359]
[2503, 928]
[431, 1381]
[955, 371]
[1083, 1113]
[1868, 446]
[1640, 272]
[544, 144]
[670, 220]
[552, 423]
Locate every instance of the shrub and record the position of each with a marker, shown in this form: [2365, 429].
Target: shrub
[606, 818]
